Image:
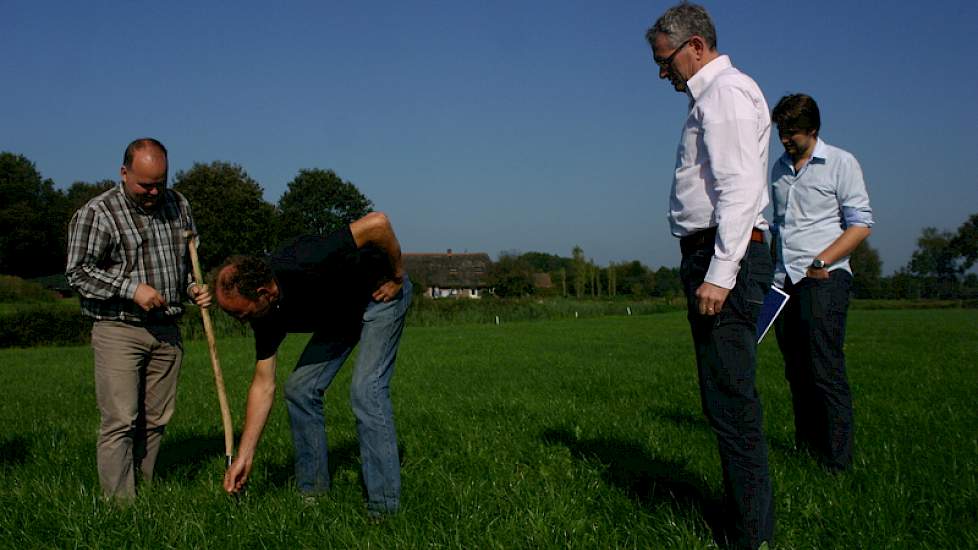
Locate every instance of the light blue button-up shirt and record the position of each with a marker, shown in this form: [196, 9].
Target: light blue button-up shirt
[814, 206]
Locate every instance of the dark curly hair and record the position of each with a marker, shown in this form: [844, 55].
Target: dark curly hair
[246, 276]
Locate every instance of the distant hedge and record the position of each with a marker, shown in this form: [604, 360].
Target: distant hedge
[914, 304]
[57, 324]
[27, 324]
[15, 289]
[43, 325]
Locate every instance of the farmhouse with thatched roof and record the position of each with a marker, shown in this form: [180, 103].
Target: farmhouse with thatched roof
[444, 275]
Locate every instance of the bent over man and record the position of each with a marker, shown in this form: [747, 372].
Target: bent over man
[718, 192]
[345, 288]
[821, 214]
[128, 259]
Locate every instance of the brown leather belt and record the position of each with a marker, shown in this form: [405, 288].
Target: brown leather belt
[708, 237]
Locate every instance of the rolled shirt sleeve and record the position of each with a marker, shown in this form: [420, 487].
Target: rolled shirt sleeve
[853, 197]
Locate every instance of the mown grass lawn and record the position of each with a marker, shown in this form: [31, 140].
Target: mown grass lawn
[583, 433]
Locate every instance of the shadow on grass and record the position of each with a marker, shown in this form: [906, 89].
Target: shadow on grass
[340, 456]
[685, 419]
[776, 442]
[185, 457]
[644, 478]
[14, 450]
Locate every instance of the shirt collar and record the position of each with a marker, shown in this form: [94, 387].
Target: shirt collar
[706, 75]
[820, 149]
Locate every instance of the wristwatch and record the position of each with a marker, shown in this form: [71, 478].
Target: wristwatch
[818, 264]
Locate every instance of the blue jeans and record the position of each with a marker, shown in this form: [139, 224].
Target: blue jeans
[726, 359]
[380, 336]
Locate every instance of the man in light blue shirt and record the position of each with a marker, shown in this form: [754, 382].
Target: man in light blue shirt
[821, 214]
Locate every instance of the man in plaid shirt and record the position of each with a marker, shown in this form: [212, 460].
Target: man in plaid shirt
[128, 259]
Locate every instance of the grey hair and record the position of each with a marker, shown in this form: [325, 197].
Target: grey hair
[682, 21]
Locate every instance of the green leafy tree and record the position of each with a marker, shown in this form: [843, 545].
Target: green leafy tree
[511, 276]
[320, 202]
[903, 285]
[579, 271]
[936, 264]
[546, 263]
[635, 279]
[595, 278]
[965, 243]
[81, 192]
[667, 282]
[32, 220]
[934, 256]
[867, 270]
[228, 208]
[940, 262]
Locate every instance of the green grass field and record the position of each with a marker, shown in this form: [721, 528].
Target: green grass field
[583, 433]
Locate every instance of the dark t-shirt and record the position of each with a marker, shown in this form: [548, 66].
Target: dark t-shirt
[325, 283]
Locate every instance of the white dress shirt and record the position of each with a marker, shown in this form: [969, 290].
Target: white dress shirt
[814, 206]
[721, 165]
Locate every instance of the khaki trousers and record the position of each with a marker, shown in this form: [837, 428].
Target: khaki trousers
[136, 372]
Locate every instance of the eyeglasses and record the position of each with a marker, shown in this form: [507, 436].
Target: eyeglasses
[666, 63]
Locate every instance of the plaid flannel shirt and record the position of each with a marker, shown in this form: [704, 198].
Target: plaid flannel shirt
[113, 246]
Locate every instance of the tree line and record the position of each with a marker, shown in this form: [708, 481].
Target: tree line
[515, 274]
[233, 217]
[229, 209]
[938, 269]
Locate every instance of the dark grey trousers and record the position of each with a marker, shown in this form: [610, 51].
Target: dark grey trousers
[811, 332]
[726, 359]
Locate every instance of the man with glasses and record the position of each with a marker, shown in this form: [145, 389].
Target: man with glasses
[128, 259]
[821, 214]
[719, 190]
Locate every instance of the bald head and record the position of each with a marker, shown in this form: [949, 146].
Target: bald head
[144, 172]
[142, 144]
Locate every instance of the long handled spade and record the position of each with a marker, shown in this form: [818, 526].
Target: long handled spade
[212, 345]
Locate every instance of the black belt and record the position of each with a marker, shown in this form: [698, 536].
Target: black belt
[706, 237]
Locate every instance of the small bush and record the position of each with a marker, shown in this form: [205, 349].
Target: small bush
[15, 289]
[43, 325]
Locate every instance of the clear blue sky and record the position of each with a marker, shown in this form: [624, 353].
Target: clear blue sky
[489, 126]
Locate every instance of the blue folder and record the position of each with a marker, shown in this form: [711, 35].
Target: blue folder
[773, 304]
